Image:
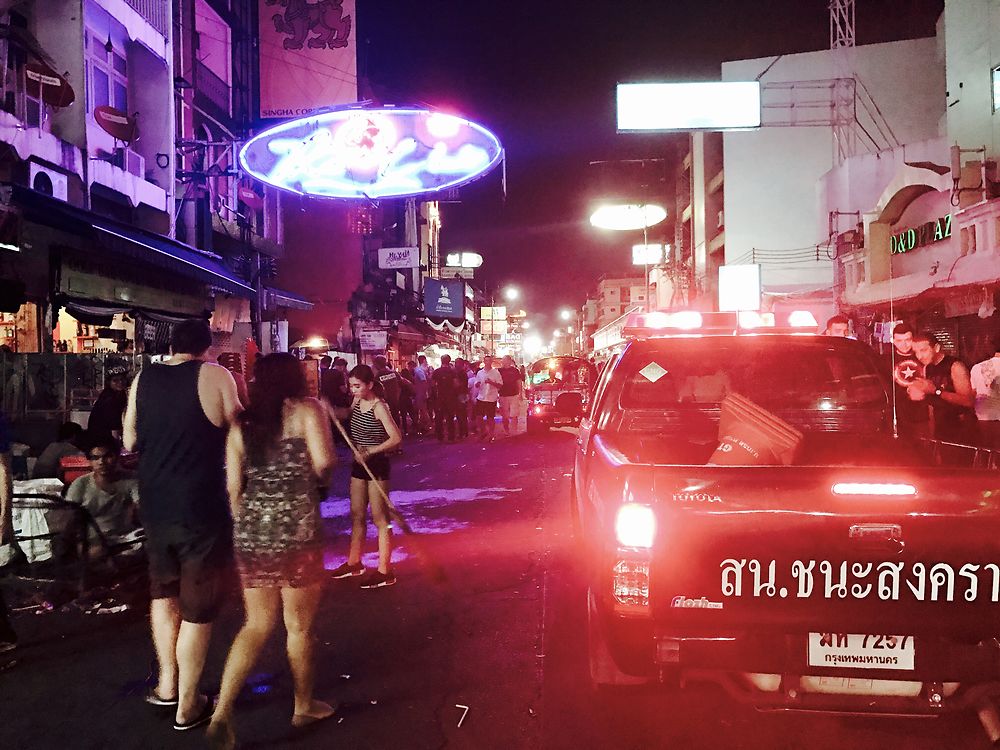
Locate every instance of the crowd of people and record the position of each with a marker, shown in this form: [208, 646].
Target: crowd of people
[454, 400]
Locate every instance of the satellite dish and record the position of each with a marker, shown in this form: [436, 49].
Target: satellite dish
[117, 124]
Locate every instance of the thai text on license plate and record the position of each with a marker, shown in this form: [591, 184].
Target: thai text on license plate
[858, 651]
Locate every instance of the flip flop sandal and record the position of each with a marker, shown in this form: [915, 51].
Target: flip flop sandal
[153, 699]
[199, 721]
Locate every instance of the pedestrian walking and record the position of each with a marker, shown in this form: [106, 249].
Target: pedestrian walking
[421, 391]
[407, 411]
[985, 378]
[277, 456]
[488, 385]
[444, 381]
[177, 418]
[105, 421]
[511, 393]
[462, 416]
[375, 435]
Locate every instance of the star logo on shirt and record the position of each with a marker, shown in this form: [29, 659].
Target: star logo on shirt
[906, 371]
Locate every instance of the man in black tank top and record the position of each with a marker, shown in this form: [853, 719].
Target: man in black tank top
[947, 387]
[177, 419]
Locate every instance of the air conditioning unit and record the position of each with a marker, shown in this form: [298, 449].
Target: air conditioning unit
[720, 220]
[48, 181]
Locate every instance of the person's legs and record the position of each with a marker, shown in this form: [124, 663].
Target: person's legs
[380, 517]
[192, 648]
[261, 607]
[490, 414]
[165, 623]
[505, 403]
[299, 608]
[359, 506]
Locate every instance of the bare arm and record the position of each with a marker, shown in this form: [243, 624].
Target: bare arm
[235, 461]
[319, 439]
[130, 434]
[383, 416]
[963, 395]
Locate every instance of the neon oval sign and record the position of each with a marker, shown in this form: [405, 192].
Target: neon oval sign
[384, 152]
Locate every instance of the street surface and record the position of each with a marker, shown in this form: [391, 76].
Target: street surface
[505, 636]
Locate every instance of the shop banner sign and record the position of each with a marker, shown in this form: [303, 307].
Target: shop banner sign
[444, 298]
[373, 340]
[308, 56]
[398, 257]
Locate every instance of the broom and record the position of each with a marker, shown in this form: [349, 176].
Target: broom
[434, 569]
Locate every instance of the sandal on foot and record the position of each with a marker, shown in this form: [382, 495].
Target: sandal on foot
[153, 698]
[300, 721]
[200, 720]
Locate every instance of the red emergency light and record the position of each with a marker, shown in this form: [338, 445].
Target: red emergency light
[693, 322]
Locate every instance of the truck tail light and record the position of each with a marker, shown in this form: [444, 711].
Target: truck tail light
[635, 526]
[874, 488]
[630, 582]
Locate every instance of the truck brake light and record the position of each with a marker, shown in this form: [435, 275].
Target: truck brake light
[635, 526]
[874, 488]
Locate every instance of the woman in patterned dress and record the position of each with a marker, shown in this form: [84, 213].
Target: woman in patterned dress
[277, 456]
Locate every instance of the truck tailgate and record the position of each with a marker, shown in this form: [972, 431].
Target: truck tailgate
[778, 549]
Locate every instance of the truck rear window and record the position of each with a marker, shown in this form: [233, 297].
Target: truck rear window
[779, 373]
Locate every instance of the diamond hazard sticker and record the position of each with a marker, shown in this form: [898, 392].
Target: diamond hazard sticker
[652, 372]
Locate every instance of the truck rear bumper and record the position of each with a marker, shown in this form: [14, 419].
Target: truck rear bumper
[770, 672]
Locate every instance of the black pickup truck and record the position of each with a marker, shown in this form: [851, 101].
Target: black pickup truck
[862, 576]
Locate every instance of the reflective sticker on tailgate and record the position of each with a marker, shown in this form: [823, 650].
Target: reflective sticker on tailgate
[888, 581]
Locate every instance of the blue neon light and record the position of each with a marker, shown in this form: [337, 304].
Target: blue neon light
[382, 152]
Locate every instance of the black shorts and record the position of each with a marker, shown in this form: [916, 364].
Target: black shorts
[486, 409]
[379, 464]
[192, 565]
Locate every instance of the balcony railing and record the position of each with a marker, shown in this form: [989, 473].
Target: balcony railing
[213, 88]
[154, 11]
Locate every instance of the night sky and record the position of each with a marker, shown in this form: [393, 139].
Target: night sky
[542, 76]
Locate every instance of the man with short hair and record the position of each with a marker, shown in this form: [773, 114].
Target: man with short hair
[902, 365]
[109, 496]
[444, 382]
[392, 386]
[946, 387]
[838, 325]
[488, 385]
[510, 393]
[177, 418]
[985, 378]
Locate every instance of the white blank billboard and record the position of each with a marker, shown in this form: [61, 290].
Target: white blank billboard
[739, 287]
[688, 106]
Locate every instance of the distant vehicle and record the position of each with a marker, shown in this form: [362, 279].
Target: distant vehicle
[857, 574]
[558, 391]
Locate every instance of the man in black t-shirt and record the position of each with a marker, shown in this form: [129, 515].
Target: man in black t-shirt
[902, 365]
[391, 386]
[510, 393]
[444, 383]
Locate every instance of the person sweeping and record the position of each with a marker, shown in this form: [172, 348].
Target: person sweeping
[374, 435]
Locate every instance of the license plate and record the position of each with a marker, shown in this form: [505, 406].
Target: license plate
[856, 651]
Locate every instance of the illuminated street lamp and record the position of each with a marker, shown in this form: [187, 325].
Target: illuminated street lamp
[566, 314]
[632, 216]
[626, 216]
[511, 293]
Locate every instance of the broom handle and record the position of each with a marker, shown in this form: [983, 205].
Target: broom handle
[397, 516]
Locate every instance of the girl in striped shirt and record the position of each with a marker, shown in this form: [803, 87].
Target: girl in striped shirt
[375, 434]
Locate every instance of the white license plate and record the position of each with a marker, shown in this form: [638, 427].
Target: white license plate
[856, 651]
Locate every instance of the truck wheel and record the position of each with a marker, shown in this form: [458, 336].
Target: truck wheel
[604, 673]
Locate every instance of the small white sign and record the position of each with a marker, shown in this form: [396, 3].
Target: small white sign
[373, 340]
[398, 257]
[653, 372]
[739, 287]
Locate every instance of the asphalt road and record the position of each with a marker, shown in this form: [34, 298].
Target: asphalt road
[494, 657]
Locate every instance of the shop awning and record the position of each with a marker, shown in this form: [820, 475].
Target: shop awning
[280, 298]
[129, 242]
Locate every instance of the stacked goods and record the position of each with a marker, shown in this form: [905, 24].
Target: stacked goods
[752, 436]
